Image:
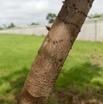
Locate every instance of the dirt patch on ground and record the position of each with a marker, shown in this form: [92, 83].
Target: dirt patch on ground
[97, 59]
[89, 97]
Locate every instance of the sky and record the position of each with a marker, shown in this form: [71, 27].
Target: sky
[23, 12]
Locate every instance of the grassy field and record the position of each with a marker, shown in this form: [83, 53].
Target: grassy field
[81, 79]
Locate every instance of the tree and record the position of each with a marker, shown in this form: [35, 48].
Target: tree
[11, 26]
[51, 17]
[34, 23]
[53, 52]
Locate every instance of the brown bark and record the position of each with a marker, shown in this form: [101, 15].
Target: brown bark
[53, 52]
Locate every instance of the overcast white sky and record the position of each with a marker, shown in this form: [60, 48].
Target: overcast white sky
[22, 12]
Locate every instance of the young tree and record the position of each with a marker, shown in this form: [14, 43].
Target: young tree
[51, 17]
[11, 26]
[53, 52]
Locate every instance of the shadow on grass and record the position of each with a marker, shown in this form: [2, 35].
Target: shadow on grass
[76, 84]
[75, 80]
[15, 81]
[78, 75]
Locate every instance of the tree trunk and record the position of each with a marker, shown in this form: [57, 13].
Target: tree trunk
[53, 52]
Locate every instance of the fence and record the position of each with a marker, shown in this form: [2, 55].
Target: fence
[92, 30]
[26, 30]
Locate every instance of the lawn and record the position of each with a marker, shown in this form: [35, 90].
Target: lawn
[81, 78]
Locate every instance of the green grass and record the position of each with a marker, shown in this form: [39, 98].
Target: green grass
[81, 73]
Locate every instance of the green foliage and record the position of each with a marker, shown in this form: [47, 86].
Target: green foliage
[11, 26]
[82, 71]
[51, 17]
[34, 23]
[96, 15]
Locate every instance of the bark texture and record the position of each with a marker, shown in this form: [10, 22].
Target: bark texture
[53, 52]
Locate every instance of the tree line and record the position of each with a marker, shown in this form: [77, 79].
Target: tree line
[51, 18]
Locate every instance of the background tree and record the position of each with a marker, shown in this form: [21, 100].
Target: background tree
[53, 52]
[51, 17]
[34, 23]
[96, 15]
[11, 26]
